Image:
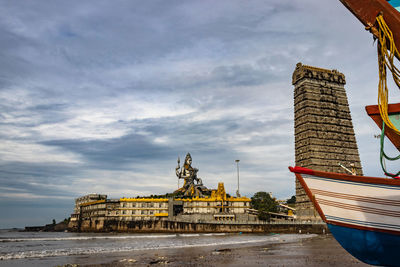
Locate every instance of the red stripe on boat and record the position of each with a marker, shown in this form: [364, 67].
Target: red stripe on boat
[298, 169]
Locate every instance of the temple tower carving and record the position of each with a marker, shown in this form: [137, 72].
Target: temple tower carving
[324, 134]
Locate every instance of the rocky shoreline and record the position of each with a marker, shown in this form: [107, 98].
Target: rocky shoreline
[58, 227]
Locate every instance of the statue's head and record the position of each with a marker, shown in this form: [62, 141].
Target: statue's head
[188, 159]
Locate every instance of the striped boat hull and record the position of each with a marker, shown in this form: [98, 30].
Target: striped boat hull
[363, 213]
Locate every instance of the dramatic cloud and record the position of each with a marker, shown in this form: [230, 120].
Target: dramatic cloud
[101, 96]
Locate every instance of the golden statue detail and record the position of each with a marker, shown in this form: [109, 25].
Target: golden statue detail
[193, 185]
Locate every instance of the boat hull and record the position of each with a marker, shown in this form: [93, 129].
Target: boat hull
[363, 213]
[371, 247]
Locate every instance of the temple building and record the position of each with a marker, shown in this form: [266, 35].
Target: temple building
[193, 202]
[324, 134]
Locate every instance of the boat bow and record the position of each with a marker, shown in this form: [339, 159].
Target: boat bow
[363, 213]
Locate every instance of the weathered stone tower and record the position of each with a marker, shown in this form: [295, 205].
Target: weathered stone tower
[324, 134]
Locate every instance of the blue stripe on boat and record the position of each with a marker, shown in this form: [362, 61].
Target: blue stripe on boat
[364, 223]
[348, 182]
[368, 246]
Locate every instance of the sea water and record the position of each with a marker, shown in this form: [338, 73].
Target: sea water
[56, 248]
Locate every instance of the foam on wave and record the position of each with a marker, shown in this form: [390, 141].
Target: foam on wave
[102, 237]
[93, 250]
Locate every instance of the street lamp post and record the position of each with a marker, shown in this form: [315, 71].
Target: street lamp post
[237, 164]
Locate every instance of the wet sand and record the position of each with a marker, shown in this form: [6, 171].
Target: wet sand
[322, 250]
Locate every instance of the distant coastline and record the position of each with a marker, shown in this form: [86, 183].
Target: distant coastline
[54, 227]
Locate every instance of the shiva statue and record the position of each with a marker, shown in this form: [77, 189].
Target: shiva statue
[193, 185]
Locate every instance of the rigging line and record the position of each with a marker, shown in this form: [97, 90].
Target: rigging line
[383, 155]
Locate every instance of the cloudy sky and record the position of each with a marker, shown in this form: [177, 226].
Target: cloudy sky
[103, 96]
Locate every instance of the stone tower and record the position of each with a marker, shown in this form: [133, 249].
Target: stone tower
[324, 134]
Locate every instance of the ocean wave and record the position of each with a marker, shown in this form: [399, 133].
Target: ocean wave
[73, 238]
[216, 234]
[94, 250]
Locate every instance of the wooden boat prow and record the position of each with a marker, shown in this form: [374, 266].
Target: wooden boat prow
[362, 213]
[394, 112]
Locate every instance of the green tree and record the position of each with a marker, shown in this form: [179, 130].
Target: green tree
[291, 200]
[264, 203]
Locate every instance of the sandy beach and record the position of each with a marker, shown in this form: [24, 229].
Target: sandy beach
[322, 250]
[121, 250]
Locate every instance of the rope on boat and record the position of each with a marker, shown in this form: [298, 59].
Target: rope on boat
[386, 52]
[384, 155]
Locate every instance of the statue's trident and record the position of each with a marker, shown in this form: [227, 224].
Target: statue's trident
[177, 168]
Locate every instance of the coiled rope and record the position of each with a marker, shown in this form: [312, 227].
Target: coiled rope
[386, 52]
